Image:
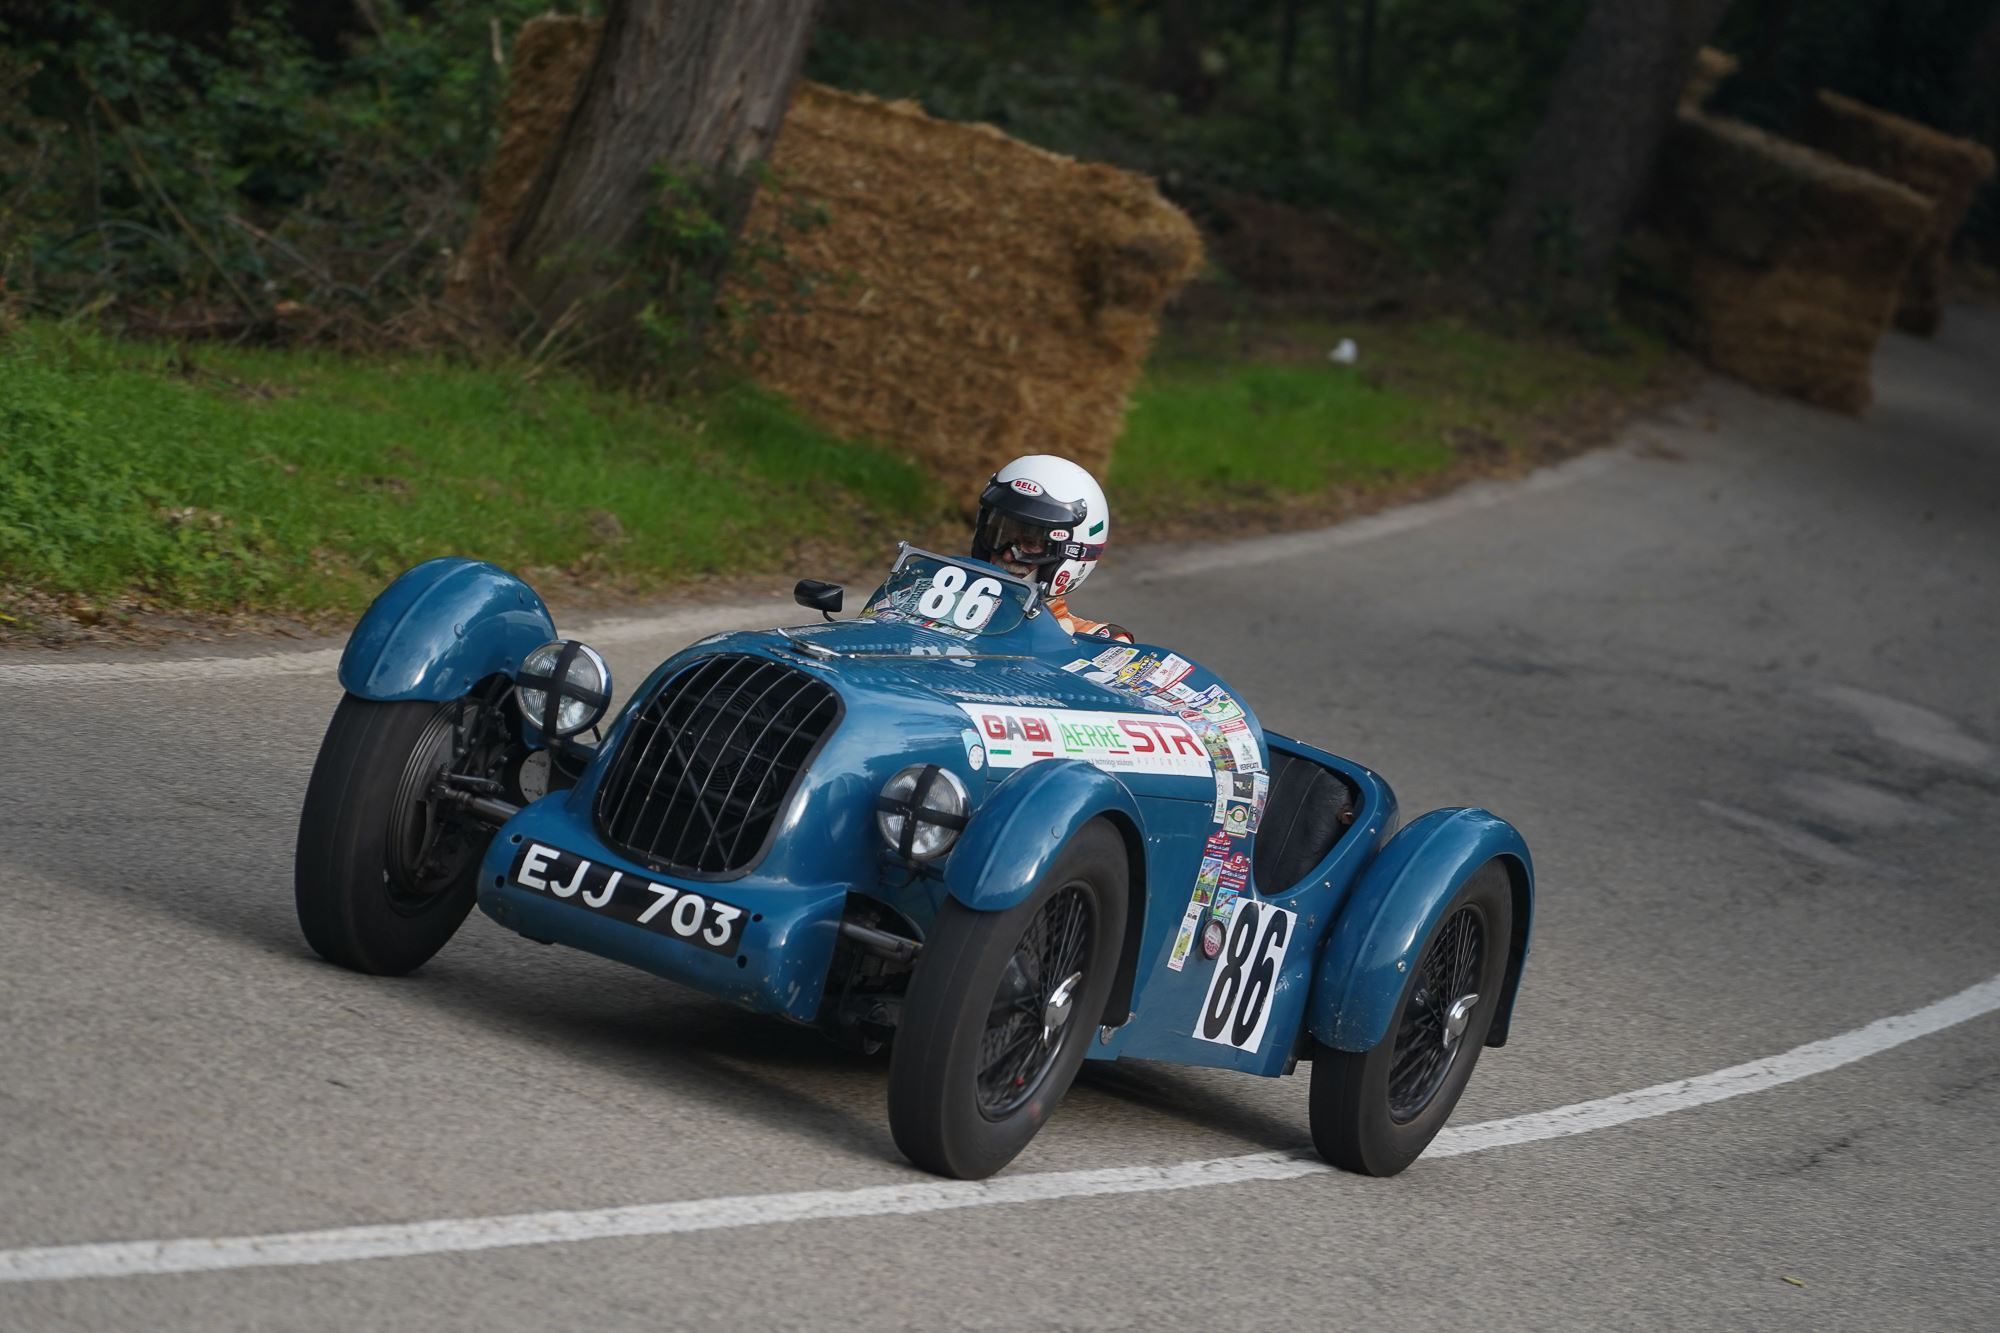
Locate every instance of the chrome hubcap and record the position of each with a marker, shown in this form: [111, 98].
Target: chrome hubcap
[1027, 1023]
[1432, 1029]
[1456, 1017]
[1056, 1013]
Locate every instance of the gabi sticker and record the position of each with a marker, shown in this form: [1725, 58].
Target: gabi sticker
[1118, 742]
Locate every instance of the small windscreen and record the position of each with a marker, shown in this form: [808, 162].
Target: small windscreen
[963, 601]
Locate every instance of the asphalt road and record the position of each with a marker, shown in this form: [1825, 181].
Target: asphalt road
[1735, 679]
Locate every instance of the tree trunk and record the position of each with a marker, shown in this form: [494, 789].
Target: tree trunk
[692, 88]
[1183, 37]
[1288, 45]
[1364, 63]
[1587, 166]
[1763, 64]
[1978, 110]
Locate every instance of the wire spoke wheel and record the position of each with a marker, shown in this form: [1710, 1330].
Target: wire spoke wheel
[1028, 1021]
[1002, 1007]
[430, 847]
[385, 871]
[1430, 1035]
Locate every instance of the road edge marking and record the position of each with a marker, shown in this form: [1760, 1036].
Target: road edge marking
[117, 1259]
[698, 620]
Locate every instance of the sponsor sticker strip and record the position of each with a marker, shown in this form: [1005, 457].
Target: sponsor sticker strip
[1118, 742]
[1242, 786]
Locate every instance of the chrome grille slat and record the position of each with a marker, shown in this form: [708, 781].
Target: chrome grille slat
[724, 751]
[709, 760]
[828, 704]
[690, 762]
[663, 700]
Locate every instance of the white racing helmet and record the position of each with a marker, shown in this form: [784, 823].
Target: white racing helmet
[1044, 518]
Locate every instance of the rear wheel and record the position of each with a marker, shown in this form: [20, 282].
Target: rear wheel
[384, 874]
[1376, 1111]
[1001, 1009]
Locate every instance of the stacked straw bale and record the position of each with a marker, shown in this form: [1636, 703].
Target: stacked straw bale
[1712, 68]
[1789, 263]
[998, 299]
[976, 297]
[1945, 170]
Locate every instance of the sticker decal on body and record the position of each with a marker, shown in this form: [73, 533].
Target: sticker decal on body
[1238, 1004]
[1117, 742]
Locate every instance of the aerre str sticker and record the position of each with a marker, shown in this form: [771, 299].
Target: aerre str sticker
[1238, 1004]
[1117, 742]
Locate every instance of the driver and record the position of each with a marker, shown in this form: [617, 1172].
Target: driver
[1044, 519]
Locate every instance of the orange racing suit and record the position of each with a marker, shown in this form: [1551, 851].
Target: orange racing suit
[1077, 625]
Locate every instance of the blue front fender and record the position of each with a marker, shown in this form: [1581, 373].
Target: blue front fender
[1391, 913]
[1016, 834]
[441, 628]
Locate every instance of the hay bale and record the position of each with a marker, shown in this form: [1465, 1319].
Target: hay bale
[551, 55]
[1712, 68]
[1786, 263]
[998, 299]
[1945, 170]
[991, 299]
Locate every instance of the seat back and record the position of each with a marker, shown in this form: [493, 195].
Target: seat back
[1307, 810]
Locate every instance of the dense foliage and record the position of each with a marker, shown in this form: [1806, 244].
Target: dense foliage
[291, 167]
[1404, 116]
[229, 172]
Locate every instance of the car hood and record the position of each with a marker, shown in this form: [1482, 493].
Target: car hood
[1004, 710]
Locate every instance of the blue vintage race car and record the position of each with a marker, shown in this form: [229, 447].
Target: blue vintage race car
[945, 826]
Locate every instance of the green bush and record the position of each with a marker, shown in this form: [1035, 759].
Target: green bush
[239, 168]
[1420, 154]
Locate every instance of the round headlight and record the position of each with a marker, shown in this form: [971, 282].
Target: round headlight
[921, 811]
[563, 687]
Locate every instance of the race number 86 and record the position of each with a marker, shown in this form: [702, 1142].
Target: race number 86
[950, 598]
[1238, 1003]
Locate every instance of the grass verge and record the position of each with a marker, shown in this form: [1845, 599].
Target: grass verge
[298, 483]
[1260, 423]
[144, 481]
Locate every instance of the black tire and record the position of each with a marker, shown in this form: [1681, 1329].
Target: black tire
[1376, 1111]
[381, 877]
[943, 1117]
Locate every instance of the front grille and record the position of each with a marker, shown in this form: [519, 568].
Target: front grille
[709, 760]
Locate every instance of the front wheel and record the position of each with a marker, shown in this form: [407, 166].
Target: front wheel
[384, 874]
[1375, 1111]
[1001, 1009]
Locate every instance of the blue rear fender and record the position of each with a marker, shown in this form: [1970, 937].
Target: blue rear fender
[1400, 899]
[440, 629]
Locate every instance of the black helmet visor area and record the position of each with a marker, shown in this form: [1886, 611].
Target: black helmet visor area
[1005, 540]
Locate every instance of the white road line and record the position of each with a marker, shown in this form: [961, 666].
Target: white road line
[460, 1235]
[696, 621]
[692, 623]
[1404, 518]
